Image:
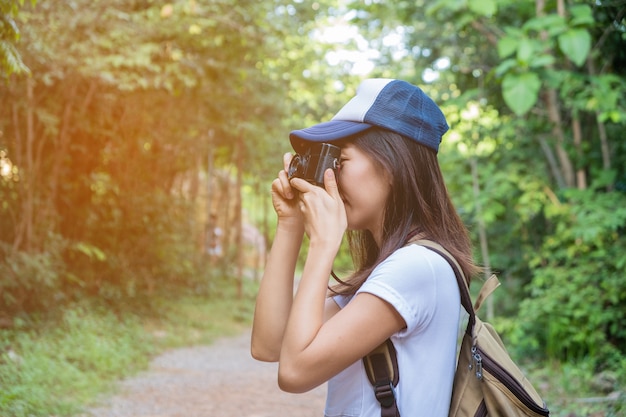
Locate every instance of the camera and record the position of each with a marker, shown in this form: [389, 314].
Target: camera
[312, 164]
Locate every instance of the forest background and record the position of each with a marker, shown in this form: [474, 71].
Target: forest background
[132, 130]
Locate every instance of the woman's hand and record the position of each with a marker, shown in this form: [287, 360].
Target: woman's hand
[323, 210]
[284, 197]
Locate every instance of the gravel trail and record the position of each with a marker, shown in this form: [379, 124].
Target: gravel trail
[209, 381]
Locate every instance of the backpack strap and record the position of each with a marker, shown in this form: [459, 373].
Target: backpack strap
[381, 364]
[488, 287]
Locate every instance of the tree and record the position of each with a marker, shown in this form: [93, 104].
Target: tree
[10, 60]
[107, 139]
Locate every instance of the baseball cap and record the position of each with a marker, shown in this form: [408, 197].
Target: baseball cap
[394, 105]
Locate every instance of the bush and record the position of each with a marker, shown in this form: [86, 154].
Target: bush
[578, 291]
[50, 371]
[31, 281]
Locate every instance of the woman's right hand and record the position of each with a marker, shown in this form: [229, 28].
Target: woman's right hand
[284, 196]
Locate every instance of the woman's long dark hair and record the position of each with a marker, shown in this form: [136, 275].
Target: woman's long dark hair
[418, 198]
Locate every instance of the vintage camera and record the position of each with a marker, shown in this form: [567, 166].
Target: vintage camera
[312, 164]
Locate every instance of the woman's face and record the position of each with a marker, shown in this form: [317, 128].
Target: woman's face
[364, 188]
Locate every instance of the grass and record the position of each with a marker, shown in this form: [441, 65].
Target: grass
[59, 367]
[570, 391]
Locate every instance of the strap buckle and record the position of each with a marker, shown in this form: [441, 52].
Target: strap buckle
[384, 393]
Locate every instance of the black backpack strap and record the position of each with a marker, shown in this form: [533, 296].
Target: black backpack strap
[381, 366]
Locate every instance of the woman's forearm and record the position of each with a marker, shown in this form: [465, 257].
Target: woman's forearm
[275, 296]
[307, 315]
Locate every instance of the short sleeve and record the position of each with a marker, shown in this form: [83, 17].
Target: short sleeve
[408, 281]
[342, 300]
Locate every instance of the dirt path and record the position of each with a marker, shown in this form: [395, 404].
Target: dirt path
[218, 380]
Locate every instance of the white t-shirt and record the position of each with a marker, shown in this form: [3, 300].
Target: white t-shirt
[421, 286]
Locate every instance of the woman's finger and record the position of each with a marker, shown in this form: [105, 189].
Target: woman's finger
[286, 189]
[330, 184]
[287, 160]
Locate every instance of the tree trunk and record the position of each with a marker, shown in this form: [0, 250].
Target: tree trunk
[24, 228]
[604, 140]
[239, 152]
[554, 166]
[49, 212]
[554, 113]
[18, 160]
[581, 177]
[482, 232]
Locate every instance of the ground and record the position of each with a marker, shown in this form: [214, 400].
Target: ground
[218, 380]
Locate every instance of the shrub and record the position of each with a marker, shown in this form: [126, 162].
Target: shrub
[578, 293]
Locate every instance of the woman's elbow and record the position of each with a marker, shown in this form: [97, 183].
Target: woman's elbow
[292, 381]
[263, 354]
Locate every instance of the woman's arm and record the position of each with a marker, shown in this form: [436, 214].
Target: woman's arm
[312, 353]
[276, 291]
[275, 295]
[316, 347]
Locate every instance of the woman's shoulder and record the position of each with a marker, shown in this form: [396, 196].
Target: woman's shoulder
[417, 264]
[414, 254]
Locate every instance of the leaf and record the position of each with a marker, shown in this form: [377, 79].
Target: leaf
[91, 251]
[575, 44]
[483, 7]
[525, 50]
[542, 61]
[581, 15]
[505, 66]
[520, 92]
[551, 23]
[439, 5]
[507, 45]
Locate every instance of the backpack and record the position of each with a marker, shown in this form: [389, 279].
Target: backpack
[486, 383]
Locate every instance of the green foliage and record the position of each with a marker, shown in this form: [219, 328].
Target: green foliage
[31, 281]
[576, 389]
[520, 91]
[10, 59]
[53, 370]
[528, 52]
[578, 291]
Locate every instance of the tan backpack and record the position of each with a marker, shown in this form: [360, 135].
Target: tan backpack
[487, 382]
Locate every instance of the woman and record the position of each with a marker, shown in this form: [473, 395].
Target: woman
[389, 190]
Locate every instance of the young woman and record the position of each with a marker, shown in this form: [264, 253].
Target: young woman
[388, 190]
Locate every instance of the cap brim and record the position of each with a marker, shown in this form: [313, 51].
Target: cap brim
[326, 132]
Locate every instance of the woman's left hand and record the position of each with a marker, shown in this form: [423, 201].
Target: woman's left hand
[323, 210]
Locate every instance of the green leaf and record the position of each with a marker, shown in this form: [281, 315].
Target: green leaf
[483, 7]
[507, 45]
[525, 50]
[575, 44]
[551, 23]
[440, 5]
[581, 15]
[505, 66]
[520, 92]
[542, 61]
[613, 116]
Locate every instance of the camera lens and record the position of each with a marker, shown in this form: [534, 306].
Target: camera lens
[294, 166]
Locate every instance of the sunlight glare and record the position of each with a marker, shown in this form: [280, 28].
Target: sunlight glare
[343, 33]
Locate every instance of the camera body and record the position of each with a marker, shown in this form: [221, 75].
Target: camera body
[312, 164]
